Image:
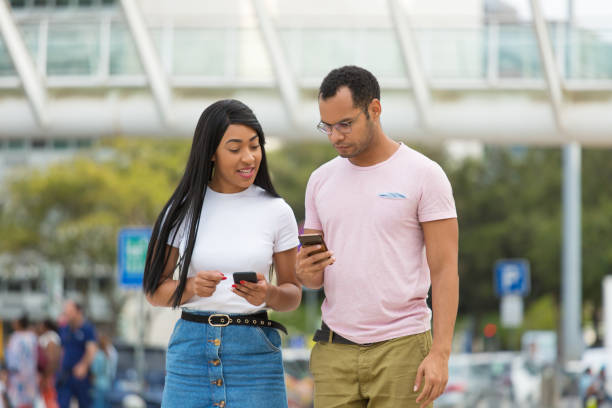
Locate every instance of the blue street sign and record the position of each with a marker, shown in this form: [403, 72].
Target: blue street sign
[511, 277]
[132, 252]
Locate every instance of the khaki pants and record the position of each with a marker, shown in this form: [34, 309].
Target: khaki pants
[380, 375]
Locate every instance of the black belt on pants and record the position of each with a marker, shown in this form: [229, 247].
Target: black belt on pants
[326, 335]
[221, 320]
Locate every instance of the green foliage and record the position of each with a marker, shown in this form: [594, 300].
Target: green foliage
[71, 211]
[290, 168]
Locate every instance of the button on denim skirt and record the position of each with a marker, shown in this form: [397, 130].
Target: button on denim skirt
[217, 367]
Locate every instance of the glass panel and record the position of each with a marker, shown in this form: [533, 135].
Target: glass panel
[30, 36]
[6, 63]
[73, 49]
[124, 58]
[17, 3]
[200, 52]
[84, 143]
[85, 3]
[313, 52]
[60, 144]
[40, 3]
[453, 53]
[16, 144]
[253, 61]
[62, 3]
[518, 52]
[39, 144]
[590, 54]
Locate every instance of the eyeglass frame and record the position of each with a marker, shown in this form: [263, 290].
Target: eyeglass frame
[323, 127]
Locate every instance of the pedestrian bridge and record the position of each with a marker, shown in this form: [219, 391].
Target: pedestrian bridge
[145, 68]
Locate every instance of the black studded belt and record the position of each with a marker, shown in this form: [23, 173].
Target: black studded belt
[221, 320]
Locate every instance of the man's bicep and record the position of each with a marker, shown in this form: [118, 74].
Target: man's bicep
[441, 243]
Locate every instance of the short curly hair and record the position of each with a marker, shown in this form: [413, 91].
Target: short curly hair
[362, 84]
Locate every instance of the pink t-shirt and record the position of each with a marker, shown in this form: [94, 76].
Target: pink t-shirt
[370, 217]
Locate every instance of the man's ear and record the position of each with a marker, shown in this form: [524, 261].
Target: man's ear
[375, 108]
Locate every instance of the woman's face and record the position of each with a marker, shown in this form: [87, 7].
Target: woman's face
[236, 160]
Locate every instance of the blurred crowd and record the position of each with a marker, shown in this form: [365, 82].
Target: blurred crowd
[593, 388]
[49, 364]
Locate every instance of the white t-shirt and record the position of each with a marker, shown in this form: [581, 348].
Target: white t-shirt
[49, 337]
[237, 233]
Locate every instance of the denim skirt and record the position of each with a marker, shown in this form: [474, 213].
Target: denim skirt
[217, 367]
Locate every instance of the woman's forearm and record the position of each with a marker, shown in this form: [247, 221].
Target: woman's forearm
[284, 297]
[163, 294]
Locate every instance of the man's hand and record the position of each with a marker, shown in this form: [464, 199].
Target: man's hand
[254, 293]
[80, 370]
[309, 268]
[433, 374]
[205, 282]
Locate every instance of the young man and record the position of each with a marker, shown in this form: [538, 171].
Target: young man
[388, 216]
[79, 344]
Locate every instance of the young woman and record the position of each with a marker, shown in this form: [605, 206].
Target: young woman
[224, 217]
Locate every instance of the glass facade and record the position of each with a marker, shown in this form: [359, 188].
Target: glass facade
[89, 43]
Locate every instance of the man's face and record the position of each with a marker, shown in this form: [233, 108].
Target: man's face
[339, 110]
[71, 312]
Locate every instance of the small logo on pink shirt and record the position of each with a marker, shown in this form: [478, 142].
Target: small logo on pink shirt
[392, 196]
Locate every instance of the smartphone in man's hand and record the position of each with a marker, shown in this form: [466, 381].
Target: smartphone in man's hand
[313, 239]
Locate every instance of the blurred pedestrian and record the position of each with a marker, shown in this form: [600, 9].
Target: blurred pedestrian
[49, 344]
[224, 217]
[103, 371]
[4, 399]
[388, 214]
[584, 384]
[78, 338]
[21, 359]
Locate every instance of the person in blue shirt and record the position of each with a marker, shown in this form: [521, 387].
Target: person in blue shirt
[79, 345]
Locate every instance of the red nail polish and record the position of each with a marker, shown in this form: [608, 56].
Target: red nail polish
[233, 286]
[224, 278]
[242, 282]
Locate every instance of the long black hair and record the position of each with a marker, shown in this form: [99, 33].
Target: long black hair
[185, 205]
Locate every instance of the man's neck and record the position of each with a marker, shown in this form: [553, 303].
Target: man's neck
[77, 323]
[379, 150]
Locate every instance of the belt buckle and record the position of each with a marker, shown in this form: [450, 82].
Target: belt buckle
[223, 323]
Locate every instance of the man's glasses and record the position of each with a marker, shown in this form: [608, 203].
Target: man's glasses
[343, 127]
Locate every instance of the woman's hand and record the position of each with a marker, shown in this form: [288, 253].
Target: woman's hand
[205, 282]
[254, 293]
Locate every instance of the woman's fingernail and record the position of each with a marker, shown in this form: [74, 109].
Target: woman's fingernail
[242, 282]
[224, 278]
[234, 285]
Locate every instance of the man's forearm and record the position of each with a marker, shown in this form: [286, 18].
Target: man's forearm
[89, 355]
[445, 301]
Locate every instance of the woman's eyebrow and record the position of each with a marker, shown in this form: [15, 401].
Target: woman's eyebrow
[240, 140]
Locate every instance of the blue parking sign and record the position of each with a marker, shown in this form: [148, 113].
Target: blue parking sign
[511, 277]
[132, 253]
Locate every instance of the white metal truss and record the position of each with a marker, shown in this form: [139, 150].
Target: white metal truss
[31, 81]
[412, 61]
[284, 77]
[158, 81]
[549, 67]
